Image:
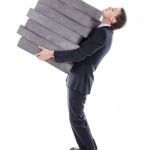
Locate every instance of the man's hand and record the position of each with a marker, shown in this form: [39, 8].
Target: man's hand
[45, 53]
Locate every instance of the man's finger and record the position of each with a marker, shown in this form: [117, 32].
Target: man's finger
[41, 58]
[37, 54]
[41, 47]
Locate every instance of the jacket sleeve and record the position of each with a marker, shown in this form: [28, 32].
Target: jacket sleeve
[88, 48]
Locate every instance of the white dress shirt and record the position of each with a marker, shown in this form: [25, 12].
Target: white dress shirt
[103, 25]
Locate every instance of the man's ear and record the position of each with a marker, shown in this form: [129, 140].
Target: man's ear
[113, 20]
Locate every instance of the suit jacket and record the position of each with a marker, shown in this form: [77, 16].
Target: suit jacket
[86, 58]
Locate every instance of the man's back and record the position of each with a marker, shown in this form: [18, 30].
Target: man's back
[81, 76]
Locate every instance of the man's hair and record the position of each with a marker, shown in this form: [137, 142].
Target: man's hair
[121, 20]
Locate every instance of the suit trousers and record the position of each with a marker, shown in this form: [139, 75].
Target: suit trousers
[78, 121]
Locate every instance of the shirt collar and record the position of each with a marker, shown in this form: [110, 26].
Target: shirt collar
[104, 25]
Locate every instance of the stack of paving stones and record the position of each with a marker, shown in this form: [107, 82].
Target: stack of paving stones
[57, 25]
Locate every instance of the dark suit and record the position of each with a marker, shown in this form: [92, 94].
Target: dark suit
[86, 59]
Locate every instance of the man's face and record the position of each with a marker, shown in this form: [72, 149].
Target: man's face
[110, 12]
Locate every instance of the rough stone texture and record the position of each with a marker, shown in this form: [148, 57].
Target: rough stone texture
[33, 49]
[84, 7]
[34, 38]
[49, 35]
[54, 26]
[71, 12]
[57, 25]
[63, 20]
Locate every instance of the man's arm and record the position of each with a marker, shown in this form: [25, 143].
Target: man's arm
[86, 49]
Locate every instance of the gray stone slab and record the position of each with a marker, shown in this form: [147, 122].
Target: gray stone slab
[33, 49]
[28, 46]
[57, 25]
[84, 7]
[49, 35]
[34, 38]
[71, 12]
[54, 26]
[63, 20]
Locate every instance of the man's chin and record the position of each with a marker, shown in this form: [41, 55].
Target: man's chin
[103, 11]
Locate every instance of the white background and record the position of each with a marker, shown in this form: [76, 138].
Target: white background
[33, 99]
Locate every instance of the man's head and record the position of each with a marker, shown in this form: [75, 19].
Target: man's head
[116, 17]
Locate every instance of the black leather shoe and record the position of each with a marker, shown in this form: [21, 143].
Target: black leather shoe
[74, 148]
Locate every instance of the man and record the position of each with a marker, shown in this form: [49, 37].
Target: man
[86, 59]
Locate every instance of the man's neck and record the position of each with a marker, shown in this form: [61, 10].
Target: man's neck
[104, 21]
